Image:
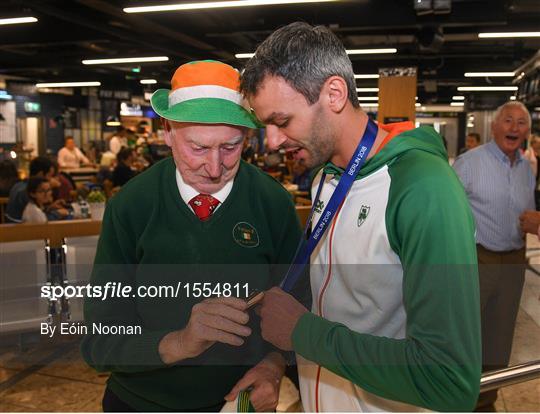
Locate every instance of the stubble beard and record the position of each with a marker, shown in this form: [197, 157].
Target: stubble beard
[322, 143]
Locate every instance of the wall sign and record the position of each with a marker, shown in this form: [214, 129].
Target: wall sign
[32, 107]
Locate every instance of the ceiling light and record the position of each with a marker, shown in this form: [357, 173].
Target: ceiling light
[418, 104]
[368, 98]
[458, 98]
[13, 154]
[369, 104]
[18, 20]
[244, 55]
[487, 88]
[124, 60]
[457, 103]
[215, 5]
[66, 84]
[512, 98]
[367, 89]
[488, 74]
[367, 76]
[370, 51]
[508, 34]
[470, 125]
[148, 81]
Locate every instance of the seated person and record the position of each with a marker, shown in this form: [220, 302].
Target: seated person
[123, 171]
[8, 177]
[301, 176]
[70, 156]
[62, 185]
[18, 198]
[39, 193]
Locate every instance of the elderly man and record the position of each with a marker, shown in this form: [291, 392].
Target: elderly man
[500, 185]
[212, 227]
[395, 321]
[70, 156]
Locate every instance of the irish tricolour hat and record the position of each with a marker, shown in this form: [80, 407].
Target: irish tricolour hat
[205, 91]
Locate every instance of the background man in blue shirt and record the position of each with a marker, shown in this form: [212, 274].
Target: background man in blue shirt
[500, 185]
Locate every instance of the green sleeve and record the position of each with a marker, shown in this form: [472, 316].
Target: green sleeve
[437, 365]
[115, 262]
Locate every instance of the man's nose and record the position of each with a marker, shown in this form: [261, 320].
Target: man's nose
[274, 137]
[213, 164]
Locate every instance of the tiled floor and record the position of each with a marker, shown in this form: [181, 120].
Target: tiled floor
[53, 377]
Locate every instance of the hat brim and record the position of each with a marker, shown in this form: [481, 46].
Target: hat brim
[203, 111]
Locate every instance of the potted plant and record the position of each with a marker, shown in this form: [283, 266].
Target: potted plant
[96, 201]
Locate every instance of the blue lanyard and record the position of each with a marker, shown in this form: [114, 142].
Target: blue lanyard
[305, 248]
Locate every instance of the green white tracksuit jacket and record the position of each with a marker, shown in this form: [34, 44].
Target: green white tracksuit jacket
[395, 323]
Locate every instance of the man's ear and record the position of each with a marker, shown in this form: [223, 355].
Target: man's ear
[336, 93]
[167, 129]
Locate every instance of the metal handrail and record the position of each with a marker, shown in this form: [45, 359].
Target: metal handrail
[510, 376]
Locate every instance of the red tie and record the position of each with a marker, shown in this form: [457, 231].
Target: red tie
[203, 205]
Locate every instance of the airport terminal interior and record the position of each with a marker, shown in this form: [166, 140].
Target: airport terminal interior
[76, 82]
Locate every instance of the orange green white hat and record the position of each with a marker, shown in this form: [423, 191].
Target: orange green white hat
[204, 91]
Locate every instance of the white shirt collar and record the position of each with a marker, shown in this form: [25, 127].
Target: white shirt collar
[187, 192]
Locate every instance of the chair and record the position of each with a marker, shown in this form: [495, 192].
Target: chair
[303, 214]
[25, 270]
[302, 201]
[80, 253]
[3, 204]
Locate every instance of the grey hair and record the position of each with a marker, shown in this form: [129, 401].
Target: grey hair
[305, 57]
[513, 104]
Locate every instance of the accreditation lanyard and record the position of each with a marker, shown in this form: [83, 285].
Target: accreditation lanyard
[305, 248]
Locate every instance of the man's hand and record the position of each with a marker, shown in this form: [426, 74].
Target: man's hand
[264, 380]
[279, 314]
[212, 320]
[529, 221]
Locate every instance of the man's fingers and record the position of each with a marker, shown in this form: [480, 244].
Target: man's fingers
[216, 335]
[225, 311]
[245, 382]
[264, 396]
[236, 303]
[223, 324]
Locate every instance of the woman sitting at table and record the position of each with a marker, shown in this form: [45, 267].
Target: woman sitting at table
[40, 207]
[39, 196]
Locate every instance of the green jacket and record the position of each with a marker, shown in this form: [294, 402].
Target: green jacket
[150, 237]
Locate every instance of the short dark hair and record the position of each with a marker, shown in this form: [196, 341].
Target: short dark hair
[305, 56]
[124, 154]
[40, 165]
[33, 185]
[475, 135]
[66, 139]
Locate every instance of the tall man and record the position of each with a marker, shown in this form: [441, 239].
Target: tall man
[208, 223]
[395, 317]
[500, 185]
